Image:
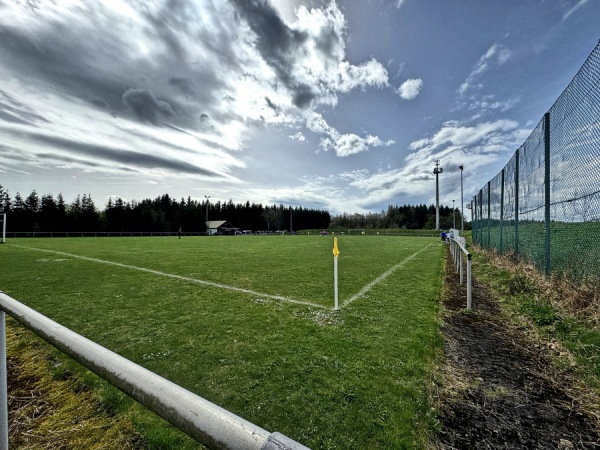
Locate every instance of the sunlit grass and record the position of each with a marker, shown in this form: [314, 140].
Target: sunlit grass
[354, 378]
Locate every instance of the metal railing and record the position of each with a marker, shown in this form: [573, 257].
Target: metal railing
[207, 423]
[460, 253]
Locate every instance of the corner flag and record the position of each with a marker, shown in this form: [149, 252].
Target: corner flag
[336, 253]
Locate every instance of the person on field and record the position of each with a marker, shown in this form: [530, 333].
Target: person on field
[179, 233]
[443, 235]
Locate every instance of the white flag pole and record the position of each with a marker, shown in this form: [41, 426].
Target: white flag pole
[336, 252]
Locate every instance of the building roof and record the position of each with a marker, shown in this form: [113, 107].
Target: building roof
[214, 224]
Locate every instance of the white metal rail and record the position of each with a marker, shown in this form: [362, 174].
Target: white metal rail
[459, 253]
[209, 424]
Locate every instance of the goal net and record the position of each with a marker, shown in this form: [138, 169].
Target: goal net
[356, 231]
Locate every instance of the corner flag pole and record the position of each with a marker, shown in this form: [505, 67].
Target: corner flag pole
[336, 253]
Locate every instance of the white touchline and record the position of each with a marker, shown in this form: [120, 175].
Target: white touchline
[383, 276]
[178, 277]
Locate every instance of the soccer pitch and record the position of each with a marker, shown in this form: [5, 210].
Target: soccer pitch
[248, 323]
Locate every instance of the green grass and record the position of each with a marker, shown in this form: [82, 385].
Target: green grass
[354, 378]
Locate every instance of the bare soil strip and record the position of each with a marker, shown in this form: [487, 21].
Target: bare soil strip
[500, 389]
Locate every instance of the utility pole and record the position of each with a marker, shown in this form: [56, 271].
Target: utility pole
[437, 170]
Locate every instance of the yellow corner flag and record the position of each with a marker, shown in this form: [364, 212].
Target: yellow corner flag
[336, 252]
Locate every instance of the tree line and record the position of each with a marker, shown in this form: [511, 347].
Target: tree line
[47, 213]
[405, 216]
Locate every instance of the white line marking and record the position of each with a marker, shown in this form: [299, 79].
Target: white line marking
[179, 277]
[383, 276]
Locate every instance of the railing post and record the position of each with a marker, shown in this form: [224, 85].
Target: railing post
[3, 385]
[461, 269]
[469, 264]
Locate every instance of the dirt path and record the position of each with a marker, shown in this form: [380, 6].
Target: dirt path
[500, 390]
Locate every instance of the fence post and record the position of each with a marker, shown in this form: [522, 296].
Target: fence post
[481, 217]
[469, 265]
[547, 230]
[517, 201]
[501, 246]
[489, 215]
[461, 269]
[3, 384]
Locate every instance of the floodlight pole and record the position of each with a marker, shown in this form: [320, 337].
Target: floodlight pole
[453, 218]
[462, 213]
[437, 170]
[207, 197]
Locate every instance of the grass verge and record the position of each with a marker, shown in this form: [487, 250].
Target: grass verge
[564, 314]
[49, 408]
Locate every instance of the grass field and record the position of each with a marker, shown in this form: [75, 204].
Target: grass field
[247, 322]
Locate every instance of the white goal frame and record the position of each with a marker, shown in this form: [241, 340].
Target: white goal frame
[359, 231]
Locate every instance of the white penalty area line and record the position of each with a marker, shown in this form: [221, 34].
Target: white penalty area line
[383, 276]
[179, 277]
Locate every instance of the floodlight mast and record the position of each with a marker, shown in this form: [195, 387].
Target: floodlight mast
[453, 218]
[462, 211]
[207, 197]
[437, 170]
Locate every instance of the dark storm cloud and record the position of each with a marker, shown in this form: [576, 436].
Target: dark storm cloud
[278, 45]
[146, 106]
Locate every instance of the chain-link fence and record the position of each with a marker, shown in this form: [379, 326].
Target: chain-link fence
[544, 206]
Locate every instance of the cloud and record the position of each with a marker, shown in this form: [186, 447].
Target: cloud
[579, 4]
[399, 3]
[120, 155]
[410, 88]
[145, 105]
[474, 146]
[298, 137]
[342, 144]
[307, 56]
[497, 54]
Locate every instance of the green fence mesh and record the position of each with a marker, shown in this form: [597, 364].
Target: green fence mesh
[544, 206]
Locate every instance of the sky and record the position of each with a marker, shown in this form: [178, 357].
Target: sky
[343, 106]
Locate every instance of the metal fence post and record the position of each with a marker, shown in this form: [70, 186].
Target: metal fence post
[517, 202]
[3, 385]
[489, 215]
[469, 264]
[460, 259]
[547, 192]
[501, 246]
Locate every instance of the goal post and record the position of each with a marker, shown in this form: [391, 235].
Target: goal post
[3, 229]
[356, 231]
